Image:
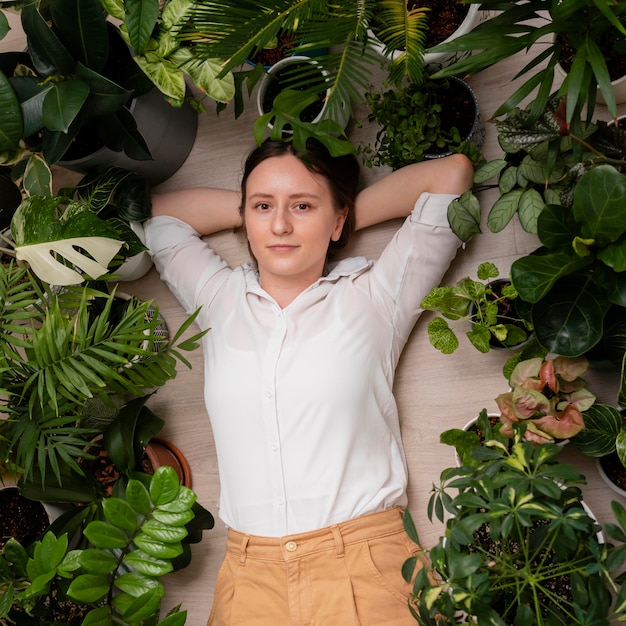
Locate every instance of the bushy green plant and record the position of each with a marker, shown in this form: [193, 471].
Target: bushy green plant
[55, 357]
[410, 119]
[119, 575]
[519, 546]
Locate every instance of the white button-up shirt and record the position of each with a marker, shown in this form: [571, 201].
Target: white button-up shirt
[300, 399]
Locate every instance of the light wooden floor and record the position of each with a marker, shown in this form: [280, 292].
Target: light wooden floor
[434, 392]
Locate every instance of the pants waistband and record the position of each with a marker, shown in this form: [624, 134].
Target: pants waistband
[334, 537]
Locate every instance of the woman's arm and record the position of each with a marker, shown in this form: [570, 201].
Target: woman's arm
[206, 209]
[395, 195]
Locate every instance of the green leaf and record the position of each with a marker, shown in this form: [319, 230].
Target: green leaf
[534, 275]
[164, 485]
[569, 322]
[63, 103]
[146, 564]
[104, 536]
[164, 532]
[464, 216]
[136, 584]
[441, 336]
[12, 126]
[503, 210]
[141, 18]
[156, 548]
[97, 561]
[598, 204]
[88, 588]
[37, 180]
[99, 617]
[120, 514]
[137, 496]
[602, 425]
[530, 206]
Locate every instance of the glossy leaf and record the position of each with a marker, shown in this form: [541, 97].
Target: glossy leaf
[88, 588]
[11, 127]
[598, 204]
[569, 322]
[141, 19]
[104, 536]
[603, 423]
[119, 513]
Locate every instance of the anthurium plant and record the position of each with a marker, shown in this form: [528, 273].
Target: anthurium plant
[549, 395]
[572, 280]
[490, 312]
[118, 576]
[519, 545]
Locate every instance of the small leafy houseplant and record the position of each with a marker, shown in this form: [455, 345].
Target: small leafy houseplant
[491, 314]
[422, 120]
[519, 546]
[549, 395]
[118, 576]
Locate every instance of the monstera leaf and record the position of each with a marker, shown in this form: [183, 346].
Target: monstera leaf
[58, 237]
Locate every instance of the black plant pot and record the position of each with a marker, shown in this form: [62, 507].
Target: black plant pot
[10, 198]
[169, 132]
[459, 109]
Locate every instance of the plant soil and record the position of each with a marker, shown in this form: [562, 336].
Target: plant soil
[268, 56]
[615, 62]
[444, 18]
[559, 586]
[21, 518]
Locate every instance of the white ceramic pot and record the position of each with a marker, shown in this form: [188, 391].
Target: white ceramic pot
[607, 480]
[439, 60]
[268, 78]
[136, 266]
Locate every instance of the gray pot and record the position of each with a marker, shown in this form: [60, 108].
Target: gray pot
[169, 132]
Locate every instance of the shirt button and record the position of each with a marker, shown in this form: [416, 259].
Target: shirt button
[291, 546]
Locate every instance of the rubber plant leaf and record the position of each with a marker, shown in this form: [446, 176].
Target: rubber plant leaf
[52, 240]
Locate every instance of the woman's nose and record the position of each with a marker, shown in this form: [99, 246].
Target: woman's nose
[281, 221]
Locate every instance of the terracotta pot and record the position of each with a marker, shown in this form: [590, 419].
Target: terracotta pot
[161, 452]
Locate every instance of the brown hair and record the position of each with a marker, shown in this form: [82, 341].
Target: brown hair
[342, 174]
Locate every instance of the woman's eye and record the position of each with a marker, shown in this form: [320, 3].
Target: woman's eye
[262, 206]
[302, 206]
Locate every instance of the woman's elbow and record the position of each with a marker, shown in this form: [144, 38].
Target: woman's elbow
[458, 174]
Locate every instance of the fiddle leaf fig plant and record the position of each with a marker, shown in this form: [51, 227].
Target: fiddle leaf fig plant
[578, 272]
[519, 545]
[491, 312]
[118, 576]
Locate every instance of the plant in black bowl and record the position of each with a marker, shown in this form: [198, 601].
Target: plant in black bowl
[491, 311]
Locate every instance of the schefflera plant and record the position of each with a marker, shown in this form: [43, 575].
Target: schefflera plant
[549, 395]
[130, 549]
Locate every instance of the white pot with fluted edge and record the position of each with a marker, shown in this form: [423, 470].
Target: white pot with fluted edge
[269, 87]
[439, 60]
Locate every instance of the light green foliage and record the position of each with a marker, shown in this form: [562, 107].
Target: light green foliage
[474, 302]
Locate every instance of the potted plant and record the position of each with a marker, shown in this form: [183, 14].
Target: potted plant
[582, 27]
[445, 20]
[45, 400]
[549, 395]
[122, 198]
[236, 33]
[490, 309]
[520, 545]
[86, 98]
[425, 120]
[117, 576]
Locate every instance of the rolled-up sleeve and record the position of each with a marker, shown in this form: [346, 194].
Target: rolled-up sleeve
[415, 261]
[184, 261]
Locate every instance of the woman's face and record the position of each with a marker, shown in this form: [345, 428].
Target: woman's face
[290, 219]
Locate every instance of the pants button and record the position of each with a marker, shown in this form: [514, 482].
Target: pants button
[291, 546]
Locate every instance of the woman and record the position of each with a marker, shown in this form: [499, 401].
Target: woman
[299, 367]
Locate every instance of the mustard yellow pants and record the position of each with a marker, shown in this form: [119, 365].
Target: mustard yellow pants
[348, 574]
